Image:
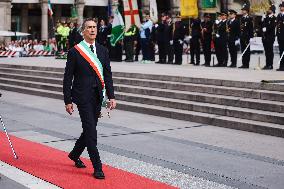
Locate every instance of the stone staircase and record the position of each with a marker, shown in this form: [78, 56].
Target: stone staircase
[247, 106]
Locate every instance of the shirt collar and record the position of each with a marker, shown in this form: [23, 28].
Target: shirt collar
[270, 15]
[232, 20]
[94, 44]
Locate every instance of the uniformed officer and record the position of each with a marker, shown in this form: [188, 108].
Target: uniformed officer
[215, 36]
[280, 34]
[207, 27]
[268, 36]
[129, 39]
[102, 33]
[162, 38]
[195, 29]
[178, 37]
[221, 40]
[245, 35]
[233, 36]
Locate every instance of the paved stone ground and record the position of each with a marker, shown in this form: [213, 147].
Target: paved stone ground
[253, 74]
[179, 153]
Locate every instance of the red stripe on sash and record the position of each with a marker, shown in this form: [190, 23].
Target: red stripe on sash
[91, 63]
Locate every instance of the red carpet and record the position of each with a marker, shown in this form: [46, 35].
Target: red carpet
[53, 165]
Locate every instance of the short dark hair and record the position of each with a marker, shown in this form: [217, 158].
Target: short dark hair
[86, 20]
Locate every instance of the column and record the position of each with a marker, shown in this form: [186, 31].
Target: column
[80, 8]
[146, 5]
[44, 20]
[5, 15]
[175, 7]
[24, 19]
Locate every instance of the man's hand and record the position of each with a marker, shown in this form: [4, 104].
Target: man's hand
[112, 103]
[69, 108]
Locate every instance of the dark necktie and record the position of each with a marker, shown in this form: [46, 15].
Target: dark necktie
[92, 48]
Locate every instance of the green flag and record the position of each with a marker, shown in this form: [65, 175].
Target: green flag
[117, 30]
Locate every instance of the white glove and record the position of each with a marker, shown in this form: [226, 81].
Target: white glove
[217, 35]
[156, 25]
[264, 29]
[180, 41]
[217, 21]
[171, 42]
[237, 42]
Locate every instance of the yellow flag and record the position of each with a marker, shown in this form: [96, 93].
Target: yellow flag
[188, 8]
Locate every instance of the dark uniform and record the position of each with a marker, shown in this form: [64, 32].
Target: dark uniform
[195, 28]
[207, 28]
[162, 39]
[102, 35]
[280, 36]
[233, 35]
[245, 35]
[221, 42]
[214, 38]
[268, 38]
[179, 31]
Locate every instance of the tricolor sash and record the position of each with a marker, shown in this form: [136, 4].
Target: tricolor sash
[93, 60]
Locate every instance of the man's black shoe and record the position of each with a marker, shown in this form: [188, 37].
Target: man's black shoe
[280, 69]
[233, 66]
[267, 68]
[78, 162]
[129, 60]
[243, 66]
[99, 174]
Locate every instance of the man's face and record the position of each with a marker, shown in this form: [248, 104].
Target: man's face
[90, 31]
[232, 16]
[224, 17]
[164, 18]
[282, 9]
[244, 12]
[269, 11]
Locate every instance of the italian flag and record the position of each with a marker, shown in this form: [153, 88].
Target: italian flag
[117, 30]
[50, 12]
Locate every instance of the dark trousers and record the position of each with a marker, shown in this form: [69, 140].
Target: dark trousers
[89, 117]
[162, 52]
[233, 52]
[246, 56]
[129, 49]
[217, 50]
[195, 50]
[116, 52]
[170, 53]
[281, 50]
[268, 49]
[145, 48]
[137, 49]
[178, 50]
[207, 51]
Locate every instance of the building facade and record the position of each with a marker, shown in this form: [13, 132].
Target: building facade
[31, 16]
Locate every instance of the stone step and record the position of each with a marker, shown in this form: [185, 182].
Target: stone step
[32, 72]
[209, 119]
[201, 88]
[220, 90]
[217, 82]
[230, 111]
[204, 118]
[199, 97]
[184, 95]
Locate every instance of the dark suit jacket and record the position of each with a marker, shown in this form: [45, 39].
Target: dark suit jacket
[234, 30]
[80, 79]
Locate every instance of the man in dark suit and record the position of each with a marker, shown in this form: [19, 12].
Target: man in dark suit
[268, 36]
[207, 27]
[87, 74]
[233, 31]
[195, 28]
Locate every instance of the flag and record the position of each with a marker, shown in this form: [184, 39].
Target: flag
[117, 30]
[131, 13]
[153, 10]
[258, 7]
[188, 8]
[50, 12]
[74, 13]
